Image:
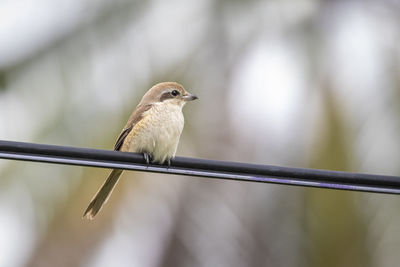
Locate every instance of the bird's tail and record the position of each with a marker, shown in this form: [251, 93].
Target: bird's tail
[102, 195]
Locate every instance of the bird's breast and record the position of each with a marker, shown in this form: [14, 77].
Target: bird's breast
[158, 132]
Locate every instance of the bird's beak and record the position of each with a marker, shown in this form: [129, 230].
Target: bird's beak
[189, 97]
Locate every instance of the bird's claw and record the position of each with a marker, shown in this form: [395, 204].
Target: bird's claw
[146, 157]
[168, 163]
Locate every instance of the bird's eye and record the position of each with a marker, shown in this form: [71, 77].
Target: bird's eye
[175, 92]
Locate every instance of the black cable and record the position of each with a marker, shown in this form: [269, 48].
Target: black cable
[201, 168]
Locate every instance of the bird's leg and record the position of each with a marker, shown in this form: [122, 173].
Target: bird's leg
[146, 157]
[168, 163]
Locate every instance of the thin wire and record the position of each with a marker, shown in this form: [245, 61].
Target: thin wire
[201, 168]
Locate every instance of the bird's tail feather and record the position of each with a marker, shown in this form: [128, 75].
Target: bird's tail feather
[102, 195]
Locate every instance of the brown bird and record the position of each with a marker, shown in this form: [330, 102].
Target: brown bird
[154, 129]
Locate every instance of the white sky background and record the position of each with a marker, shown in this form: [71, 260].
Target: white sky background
[364, 86]
[269, 83]
[28, 25]
[272, 90]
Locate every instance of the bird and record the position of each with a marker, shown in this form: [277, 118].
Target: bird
[153, 129]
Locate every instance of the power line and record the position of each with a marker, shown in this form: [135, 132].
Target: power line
[201, 168]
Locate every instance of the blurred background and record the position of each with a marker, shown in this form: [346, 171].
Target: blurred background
[301, 83]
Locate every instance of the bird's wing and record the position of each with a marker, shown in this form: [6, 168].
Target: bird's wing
[122, 137]
[136, 116]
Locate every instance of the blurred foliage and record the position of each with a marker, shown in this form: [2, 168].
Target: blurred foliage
[334, 224]
[2, 81]
[305, 83]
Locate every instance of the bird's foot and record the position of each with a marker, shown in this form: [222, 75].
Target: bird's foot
[146, 157]
[168, 163]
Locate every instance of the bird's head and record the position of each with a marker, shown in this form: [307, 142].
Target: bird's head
[168, 92]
